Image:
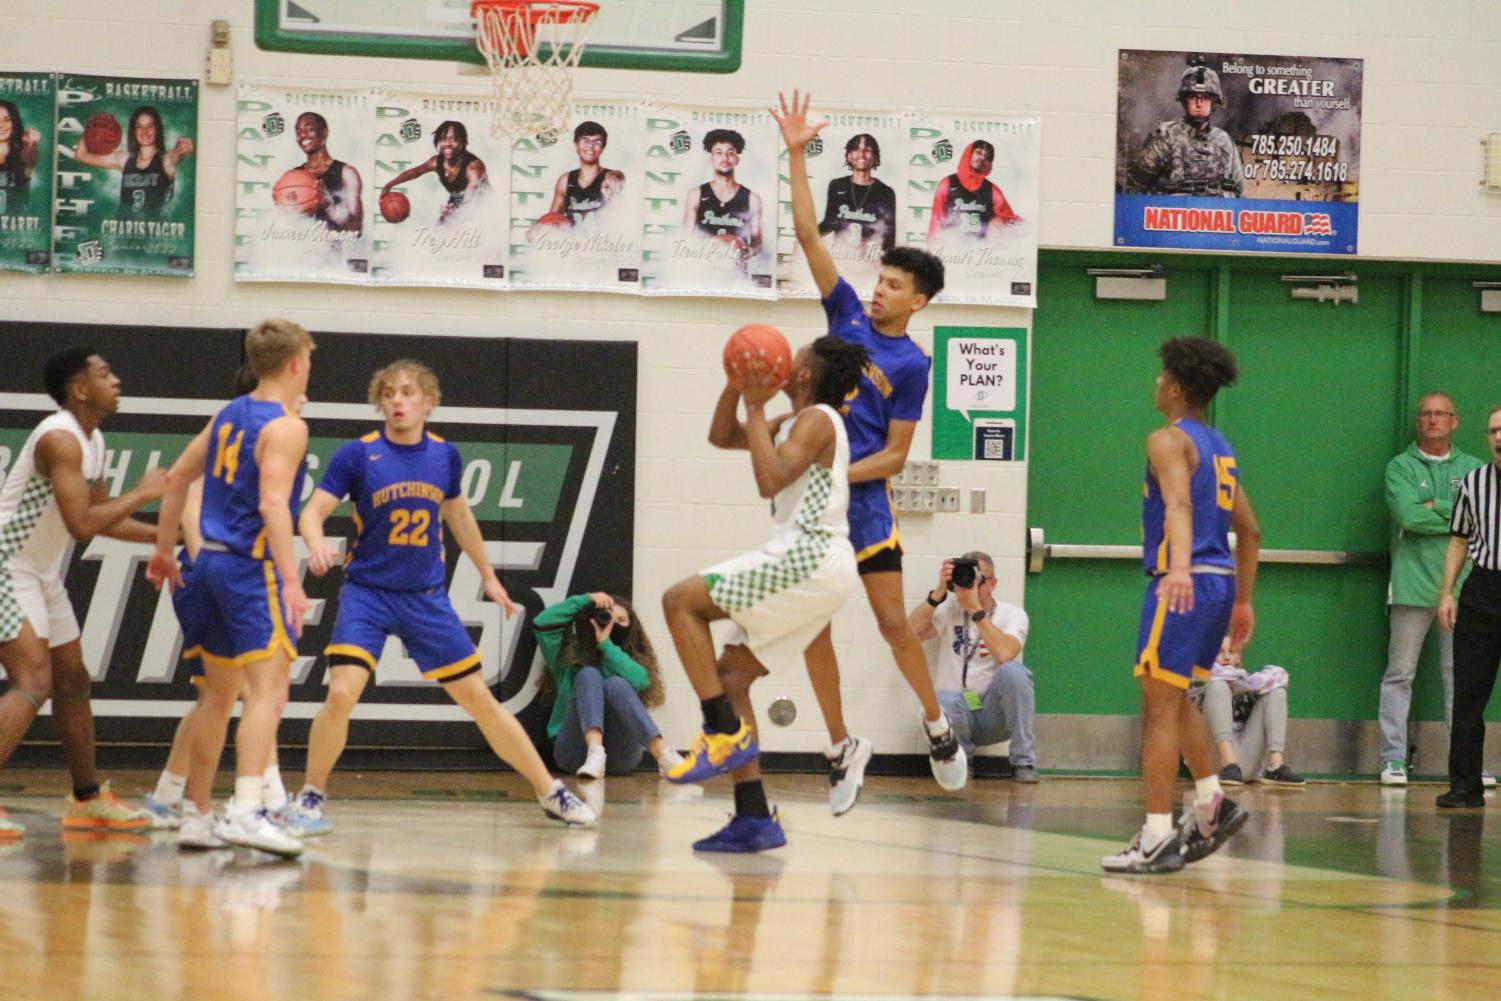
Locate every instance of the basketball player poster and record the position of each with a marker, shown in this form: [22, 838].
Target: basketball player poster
[975, 203]
[304, 188]
[126, 175]
[576, 202]
[710, 189]
[439, 205]
[26, 121]
[857, 170]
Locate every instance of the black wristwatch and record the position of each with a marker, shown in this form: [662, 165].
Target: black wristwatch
[935, 604]
[978, 615]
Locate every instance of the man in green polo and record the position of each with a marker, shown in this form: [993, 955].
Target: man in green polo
[1420, 485]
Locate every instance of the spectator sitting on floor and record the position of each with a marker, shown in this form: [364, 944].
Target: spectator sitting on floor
[1247, 714]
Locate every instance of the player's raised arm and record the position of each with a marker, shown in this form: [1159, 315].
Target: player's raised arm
[796, 132]
[776, 466]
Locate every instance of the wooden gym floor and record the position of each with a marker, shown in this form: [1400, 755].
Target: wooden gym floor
[455, 886]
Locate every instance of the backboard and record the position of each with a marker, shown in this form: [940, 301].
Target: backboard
[695, 36]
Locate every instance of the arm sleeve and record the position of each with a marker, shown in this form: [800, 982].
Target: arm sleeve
[455, 485]
[343, 472]
[909, 391]
[1406, 505]
[549, 624]
[617, 663]
[841, 307]
[1462, 522]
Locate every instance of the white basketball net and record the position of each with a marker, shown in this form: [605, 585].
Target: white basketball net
[532, 50]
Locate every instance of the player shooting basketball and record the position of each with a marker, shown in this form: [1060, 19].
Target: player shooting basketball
[147, 170]
[339, 205]
[722, 207]
[461, 173]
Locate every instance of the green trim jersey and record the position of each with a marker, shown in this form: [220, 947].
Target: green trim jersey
[32, 533]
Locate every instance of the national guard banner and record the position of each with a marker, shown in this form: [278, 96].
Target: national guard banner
[439, 205]
[549, 473]
[576, 202]
[126, 184]
[857, 170]
[304, 198]
[26, 145]
[975, 199]
[1226, 151]
[710, 214]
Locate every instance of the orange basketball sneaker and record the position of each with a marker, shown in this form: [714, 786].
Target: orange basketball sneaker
[104, 812]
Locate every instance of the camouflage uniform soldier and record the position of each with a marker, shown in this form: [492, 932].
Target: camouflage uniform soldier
[1191, 156]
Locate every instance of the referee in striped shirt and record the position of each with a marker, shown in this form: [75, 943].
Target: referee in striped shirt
[1475, 532]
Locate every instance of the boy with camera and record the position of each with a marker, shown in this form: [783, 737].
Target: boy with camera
[985, 689]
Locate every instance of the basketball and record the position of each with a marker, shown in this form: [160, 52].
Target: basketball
[395, 206]
[102, 133]
[297, 190]
[555, 219]
[758, 341]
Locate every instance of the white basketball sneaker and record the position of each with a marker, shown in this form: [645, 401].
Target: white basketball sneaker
[254, 829]
[949, 762]
[196, 831]
[847, 763]
[594, 763]
[560, 803]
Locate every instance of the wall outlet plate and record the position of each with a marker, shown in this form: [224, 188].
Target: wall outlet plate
[948, 499]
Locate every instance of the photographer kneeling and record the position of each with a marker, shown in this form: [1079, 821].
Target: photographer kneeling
[602, 676]
[982, 684]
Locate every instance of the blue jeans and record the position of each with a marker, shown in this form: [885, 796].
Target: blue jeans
[612, 706]
[1005, 713]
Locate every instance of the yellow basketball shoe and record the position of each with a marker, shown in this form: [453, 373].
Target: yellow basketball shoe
[104, 812]
[714, 754]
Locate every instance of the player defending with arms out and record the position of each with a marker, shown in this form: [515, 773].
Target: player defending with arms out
[1198, 593]
[403, 479]
[251, 459]
[53, 494]
[880, 419]
[781, 596]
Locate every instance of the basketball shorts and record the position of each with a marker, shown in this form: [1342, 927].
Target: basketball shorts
[873, 528]
[241, 614]
[780, 602]
[27, 596]
[1180, 647]
[424, 621]
[194, 617]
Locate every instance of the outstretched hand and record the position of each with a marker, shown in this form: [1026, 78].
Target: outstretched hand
[796, 130]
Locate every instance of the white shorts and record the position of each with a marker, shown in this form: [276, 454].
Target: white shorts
[779, 607]
[42, 601]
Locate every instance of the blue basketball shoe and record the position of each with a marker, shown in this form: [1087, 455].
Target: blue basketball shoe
[745, 834]
[714, 754]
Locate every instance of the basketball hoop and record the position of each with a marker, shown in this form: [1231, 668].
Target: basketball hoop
[532, 48]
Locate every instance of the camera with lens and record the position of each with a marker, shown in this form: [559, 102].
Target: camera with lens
[964, 573]
[600, 616]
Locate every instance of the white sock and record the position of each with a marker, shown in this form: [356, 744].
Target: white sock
[1205, 790]
[1159, 826]
[273, 792]
[936, 727]
[248, 794]
[835, 750]
[169, 788]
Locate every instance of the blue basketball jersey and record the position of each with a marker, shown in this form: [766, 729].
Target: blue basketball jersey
[398, 491]
[895, 382]
[1212, 490]
[232, 478]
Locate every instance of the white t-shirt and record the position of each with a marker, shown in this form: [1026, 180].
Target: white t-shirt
[960, 643]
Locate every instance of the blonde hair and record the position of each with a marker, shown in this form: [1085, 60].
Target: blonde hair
[426, 380]
[270, 344]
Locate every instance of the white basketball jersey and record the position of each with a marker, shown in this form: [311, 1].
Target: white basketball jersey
[817, 503]
[32, 533]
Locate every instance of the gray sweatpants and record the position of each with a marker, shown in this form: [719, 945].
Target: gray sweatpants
[1265, 731]
[1409, 626]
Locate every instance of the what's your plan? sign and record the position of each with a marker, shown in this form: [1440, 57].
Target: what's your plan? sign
[980, 393]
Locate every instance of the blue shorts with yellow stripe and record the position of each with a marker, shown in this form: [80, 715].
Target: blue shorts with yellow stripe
[240, 618]
[1180, 647]
[424, 621]
[193, 616]
[872, 519]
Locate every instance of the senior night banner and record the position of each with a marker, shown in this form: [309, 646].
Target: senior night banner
[304, 183]
[577, 202]
[975, 201]
[26, 144]
[711, 192]
[126, 163]
[857, 171]
[1224, 151]
[439, 204]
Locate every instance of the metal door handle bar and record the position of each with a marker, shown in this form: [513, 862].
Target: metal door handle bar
[1040, 551]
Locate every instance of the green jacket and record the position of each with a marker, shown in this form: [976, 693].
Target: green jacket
[551, 625]
[1421, 534]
